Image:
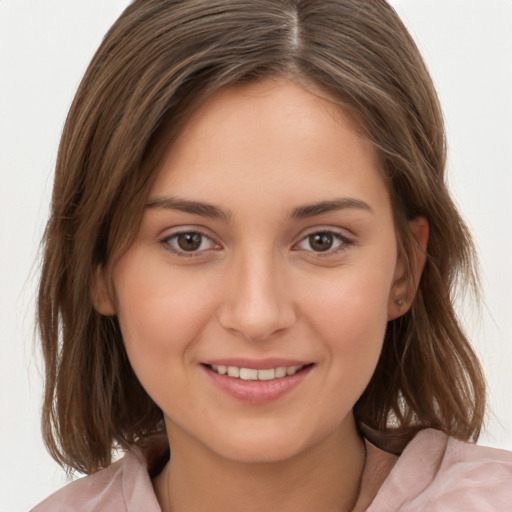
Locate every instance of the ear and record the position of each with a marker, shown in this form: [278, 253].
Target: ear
[405, 285]
[100, 294]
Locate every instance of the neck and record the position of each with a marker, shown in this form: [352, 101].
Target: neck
[324, 478]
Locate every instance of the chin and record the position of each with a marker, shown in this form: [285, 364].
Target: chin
[270, 452]
[270, 445]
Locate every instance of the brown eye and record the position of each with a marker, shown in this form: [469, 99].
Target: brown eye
[327, 242]
[321, 242]
[189, 241]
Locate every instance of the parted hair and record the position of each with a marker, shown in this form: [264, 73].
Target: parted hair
[158, 63]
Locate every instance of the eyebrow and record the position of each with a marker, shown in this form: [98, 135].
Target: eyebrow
[343, 203]
[214, 212]
[188, 206]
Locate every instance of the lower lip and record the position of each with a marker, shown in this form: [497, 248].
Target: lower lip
[257, 391]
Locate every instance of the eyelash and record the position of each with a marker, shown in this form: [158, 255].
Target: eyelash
[167, 243]
[344, 243]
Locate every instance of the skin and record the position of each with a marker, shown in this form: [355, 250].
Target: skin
[258, 287]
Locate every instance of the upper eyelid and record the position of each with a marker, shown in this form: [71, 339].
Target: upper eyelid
[343, 232]
[177, 230]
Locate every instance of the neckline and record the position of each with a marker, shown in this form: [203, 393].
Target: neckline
[379, 465]
[377, 468]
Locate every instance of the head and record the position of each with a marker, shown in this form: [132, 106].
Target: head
[158, 65]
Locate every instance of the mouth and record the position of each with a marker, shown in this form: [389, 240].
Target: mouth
[253, 374]
[257, 381]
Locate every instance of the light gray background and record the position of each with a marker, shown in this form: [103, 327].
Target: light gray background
[45, 47]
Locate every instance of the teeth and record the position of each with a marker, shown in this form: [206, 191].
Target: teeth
[252, 374]
[281, 372]
[292, 370]
[233, 371]
[248, 374]
[266, 374]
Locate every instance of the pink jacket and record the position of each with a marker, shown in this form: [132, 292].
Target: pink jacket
[435, 473]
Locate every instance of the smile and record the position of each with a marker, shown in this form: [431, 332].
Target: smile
[257, 382]
[253, 374]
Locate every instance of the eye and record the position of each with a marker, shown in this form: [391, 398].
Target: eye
[188, 243]
[324, 242]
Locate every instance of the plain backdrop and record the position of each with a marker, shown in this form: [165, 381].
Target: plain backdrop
[45, 48]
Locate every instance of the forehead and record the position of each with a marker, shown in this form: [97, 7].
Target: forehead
[271, 140]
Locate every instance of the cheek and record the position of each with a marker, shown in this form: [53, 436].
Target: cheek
[161, 314]
[349, 313]
[354, 298]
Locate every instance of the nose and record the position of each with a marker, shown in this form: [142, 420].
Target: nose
[257, 303]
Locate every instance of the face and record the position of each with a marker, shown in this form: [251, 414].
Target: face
[254, 299]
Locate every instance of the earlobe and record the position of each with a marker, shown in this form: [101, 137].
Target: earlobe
[100, 294]
[407, 280]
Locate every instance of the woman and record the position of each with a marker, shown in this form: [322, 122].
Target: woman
[250, 261]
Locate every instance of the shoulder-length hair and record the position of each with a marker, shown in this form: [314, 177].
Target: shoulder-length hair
[161, 60]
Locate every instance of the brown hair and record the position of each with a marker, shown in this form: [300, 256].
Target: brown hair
[161, 60]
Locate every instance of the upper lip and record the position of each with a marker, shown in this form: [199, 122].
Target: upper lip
[256, 364]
